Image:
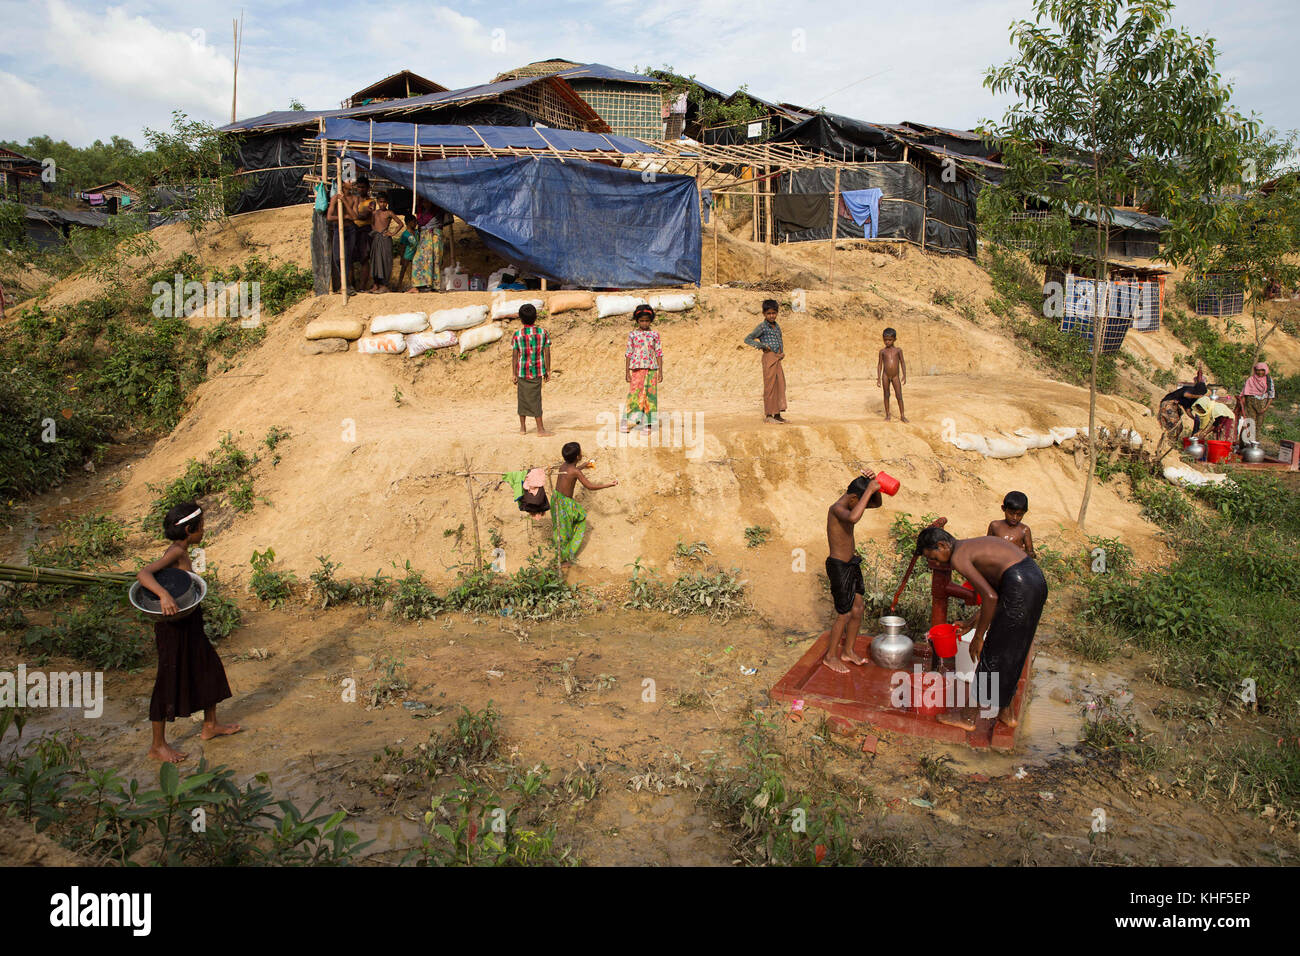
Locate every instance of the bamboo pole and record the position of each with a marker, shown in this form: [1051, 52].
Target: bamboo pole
[415, 170]
[717, 225]
[343, 256]
[473, 513]
[767, 215]
[835, 225]
[753, 180]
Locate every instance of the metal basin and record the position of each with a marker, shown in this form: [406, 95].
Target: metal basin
[892, 651]
[191, 594]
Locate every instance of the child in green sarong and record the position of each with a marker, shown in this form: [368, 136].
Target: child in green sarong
[569, 519]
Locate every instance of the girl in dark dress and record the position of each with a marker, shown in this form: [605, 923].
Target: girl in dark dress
[190, 675]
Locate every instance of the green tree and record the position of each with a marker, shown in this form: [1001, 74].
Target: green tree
[1113, 100]
[1251, 233]
[190, 170]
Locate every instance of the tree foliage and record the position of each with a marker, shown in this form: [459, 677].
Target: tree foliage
[1112, 100]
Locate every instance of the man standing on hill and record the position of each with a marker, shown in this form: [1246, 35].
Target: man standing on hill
[767, 337]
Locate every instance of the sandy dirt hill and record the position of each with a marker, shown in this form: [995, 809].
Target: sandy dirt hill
[370, 479]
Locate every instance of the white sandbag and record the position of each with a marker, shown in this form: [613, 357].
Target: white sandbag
[509, 309]
[569, 301]
[1184, 475]
[1033, 439]
[672, 302]
[483, 335]
[389, 343]
[405, 322]
[1062, 434]
[422, 342]
[970, 442]
[445, 320]
[335, 329]
[999, 447]
[607, 305]
[1132, 436]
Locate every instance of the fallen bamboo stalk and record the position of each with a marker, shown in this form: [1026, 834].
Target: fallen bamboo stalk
[30, 574]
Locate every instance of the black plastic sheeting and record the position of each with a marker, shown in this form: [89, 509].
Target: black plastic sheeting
[911, 201]
[842, 138]
[278, 187]
[901, 205]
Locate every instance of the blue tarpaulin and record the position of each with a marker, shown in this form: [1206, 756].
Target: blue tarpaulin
[583, 223]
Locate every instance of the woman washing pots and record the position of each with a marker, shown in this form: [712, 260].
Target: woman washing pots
[1013, 592]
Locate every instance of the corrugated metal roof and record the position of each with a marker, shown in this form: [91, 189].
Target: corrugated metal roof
[290, 118]
[496, 137]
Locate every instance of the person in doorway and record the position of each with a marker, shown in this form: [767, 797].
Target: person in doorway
[643, 369]
[1012, 527]
[426, 265]
[381, 244]
[844, 569]
[530, 363]
[343, 205]
[767, 338]
[569, 519]
[363, 212]
[407, 241]
[891, 369]
[1012, 591]
[190, 674]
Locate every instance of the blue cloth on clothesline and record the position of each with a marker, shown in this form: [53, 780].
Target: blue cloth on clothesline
[864, 207]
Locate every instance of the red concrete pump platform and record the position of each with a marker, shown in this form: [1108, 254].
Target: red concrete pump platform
[863, 696]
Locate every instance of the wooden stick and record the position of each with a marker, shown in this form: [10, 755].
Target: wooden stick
[754, 217]
[473, 513]
[717, 225]
[415, 170]
[343, 257]
[835, 224]
[767, 214]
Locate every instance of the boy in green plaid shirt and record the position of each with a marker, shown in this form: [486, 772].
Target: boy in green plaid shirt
[530, 366]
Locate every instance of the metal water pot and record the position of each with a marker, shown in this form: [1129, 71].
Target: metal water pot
[1195, 450]
[892, 648]
[892, 651]
[1252, 452]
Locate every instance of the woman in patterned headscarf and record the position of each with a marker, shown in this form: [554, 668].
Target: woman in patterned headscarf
[1257, 395]
[643, 368]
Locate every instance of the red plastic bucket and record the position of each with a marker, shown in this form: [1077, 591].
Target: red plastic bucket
[944, 638]
[1217, 451]
[888, 483]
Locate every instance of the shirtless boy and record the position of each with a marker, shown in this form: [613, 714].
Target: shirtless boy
[890, 368]
[381, 243]
[1014, 591]
[844, 568]
[1012, 527]
[569, 519]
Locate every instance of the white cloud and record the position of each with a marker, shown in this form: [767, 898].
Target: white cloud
[130, 56]
[25, 112]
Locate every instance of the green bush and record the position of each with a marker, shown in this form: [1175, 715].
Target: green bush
[274, 587]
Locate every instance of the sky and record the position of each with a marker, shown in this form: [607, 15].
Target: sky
[84, 71]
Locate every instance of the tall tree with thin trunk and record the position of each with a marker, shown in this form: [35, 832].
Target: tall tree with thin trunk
[1113, 101]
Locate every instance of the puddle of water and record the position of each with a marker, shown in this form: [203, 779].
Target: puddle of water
[1053, 723]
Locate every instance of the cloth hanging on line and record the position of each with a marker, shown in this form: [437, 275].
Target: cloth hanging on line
[515, 479]
[795, 212]
[863, 206]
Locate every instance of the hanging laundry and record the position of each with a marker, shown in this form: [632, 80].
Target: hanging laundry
[796, 212]
[863, 206]
[707, 197]
[515, 479]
